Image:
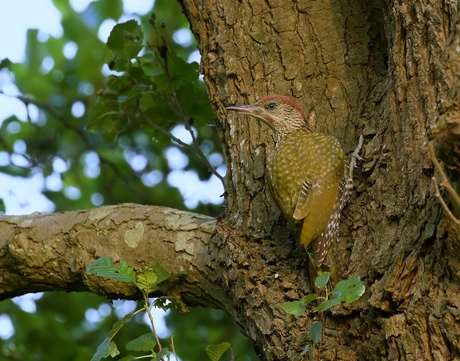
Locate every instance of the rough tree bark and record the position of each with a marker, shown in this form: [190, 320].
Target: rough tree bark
[384, 69]
[387, 70]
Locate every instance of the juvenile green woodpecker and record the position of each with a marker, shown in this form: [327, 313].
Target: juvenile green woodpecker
[306, 173]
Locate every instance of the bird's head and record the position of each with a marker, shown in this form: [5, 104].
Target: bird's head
[282, 114]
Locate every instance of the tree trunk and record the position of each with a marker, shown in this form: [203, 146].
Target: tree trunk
[386, 70]
[382, 69]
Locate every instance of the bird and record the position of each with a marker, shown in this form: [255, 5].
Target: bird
[306, 173]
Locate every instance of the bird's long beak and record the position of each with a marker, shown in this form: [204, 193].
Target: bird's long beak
[245, 108]
[254, 110]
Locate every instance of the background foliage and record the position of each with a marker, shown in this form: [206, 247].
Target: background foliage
[124, 159]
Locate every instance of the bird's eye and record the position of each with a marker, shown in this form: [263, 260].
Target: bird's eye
[271, 106]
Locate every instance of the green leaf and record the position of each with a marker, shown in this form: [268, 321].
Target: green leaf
[5, 63]
[309, 298]
[126, 270]
[145, 342]
[295, 308]
[305, 350]
[322, 280]
[125, 39]
[113, 350]
[104, 267]
[132, 94]
[107, 115]
[128, 358]
[170, 303]
[349, 290]
[120, 323]
[324, 306]
[146, 280]
[164, 352]
[103, 263]
[180, 71]
[215, 352]
[105, 349]
[316, 330]
[162, 274]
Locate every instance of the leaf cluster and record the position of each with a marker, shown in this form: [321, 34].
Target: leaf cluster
[345, 291]
[153, 91]
[114, 109]
[146, 280]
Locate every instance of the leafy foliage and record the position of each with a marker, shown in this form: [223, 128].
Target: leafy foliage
[147, 342]
[132, 104]
[215, 352]
[146, 279]
[345, 291]
[104, 267]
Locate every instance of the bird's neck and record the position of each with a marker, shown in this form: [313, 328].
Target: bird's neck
[281, 135]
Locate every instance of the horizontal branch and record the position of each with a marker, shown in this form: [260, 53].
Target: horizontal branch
[48, 252]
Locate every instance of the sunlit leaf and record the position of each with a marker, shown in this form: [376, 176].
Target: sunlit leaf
[305, 350]
[215, 352]
[146, 280]
[164, 354]
[162, 274]
[126, 270]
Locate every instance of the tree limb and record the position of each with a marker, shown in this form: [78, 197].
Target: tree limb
[45, 252]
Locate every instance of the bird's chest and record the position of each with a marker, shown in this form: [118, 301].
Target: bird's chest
[301, 157]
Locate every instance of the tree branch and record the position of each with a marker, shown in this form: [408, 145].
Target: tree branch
[46, 252]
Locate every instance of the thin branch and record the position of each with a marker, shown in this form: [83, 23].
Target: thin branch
[443, 204]
[444, 183]
[180, 142]
[177, 109]
[152, 323]
[173, 348]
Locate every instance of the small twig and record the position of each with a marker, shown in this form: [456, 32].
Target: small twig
[180, 142]
[147, 308]
[444, 181]
[173, 348]
[443, 204]
[177, 109]
[232, 354]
